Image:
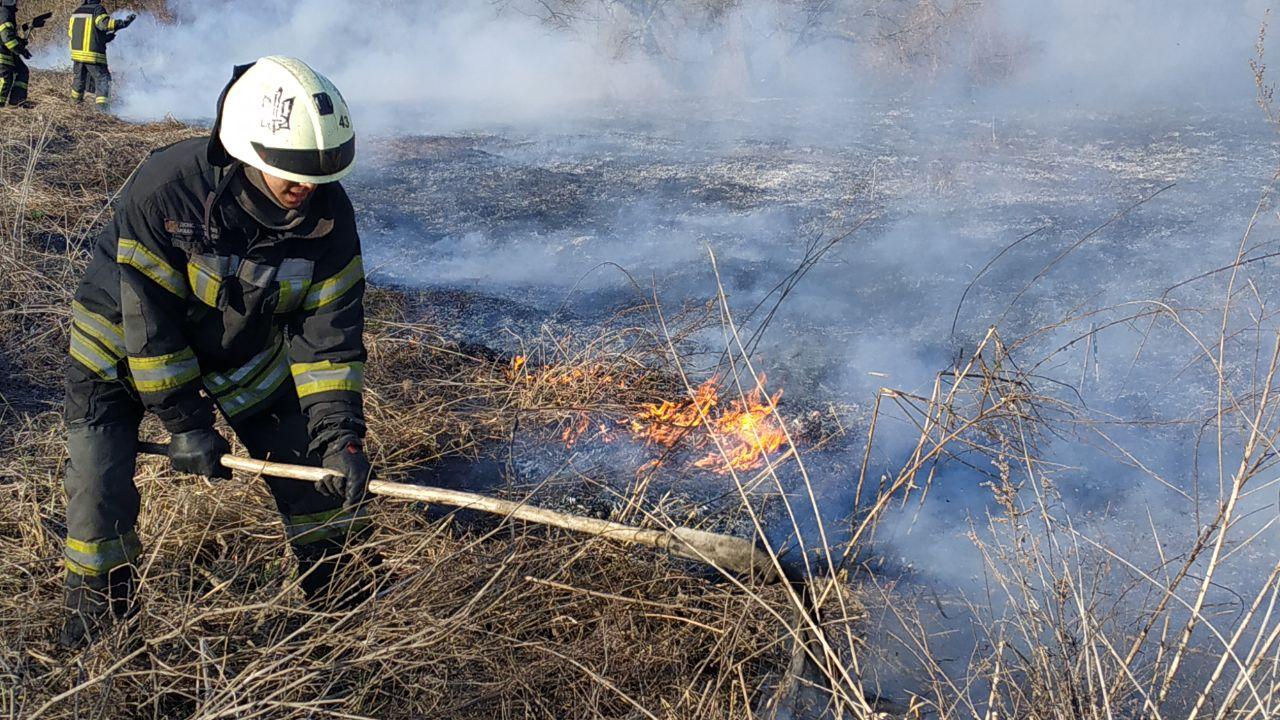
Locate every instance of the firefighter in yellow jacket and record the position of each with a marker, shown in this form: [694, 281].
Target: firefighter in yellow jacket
[13, 50]
[90, 29]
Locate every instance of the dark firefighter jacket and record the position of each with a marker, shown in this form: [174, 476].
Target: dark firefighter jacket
[186, 291]
[10, 43]
[90, 29]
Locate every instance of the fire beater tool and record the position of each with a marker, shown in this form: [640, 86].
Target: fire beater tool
[36, 23]
[724, 551]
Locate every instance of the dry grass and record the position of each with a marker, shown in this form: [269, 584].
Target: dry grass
[1069, 621]
[510, 622]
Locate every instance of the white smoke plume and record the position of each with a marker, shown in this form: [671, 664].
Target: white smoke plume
[413, 67]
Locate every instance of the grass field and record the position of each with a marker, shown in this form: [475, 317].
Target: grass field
[512, 622]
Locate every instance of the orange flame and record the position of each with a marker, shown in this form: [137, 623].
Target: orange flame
[746, 430]
[736, 436]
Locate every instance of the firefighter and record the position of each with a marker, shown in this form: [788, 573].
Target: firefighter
[90, 29]
[13, 48]
[230, 276]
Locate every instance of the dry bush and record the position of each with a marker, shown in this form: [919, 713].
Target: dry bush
[1075, 624]
[472, 620]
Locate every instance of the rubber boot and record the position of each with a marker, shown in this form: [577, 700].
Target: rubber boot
[337, 578]
[94, 604]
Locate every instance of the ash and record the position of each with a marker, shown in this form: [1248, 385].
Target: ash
[511, 231]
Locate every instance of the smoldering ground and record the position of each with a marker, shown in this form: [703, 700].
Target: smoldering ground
[1120, 141]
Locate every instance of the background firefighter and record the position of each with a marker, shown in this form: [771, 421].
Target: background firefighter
[90, 29]
[14, 74]
[230, 276]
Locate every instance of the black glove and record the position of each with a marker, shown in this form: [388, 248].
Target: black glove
[127, 21]
[22, 50]
[198, 452]
[351, 482]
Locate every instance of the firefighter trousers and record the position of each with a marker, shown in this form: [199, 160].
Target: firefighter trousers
[103, 501]
[13, 82]
[91, 78]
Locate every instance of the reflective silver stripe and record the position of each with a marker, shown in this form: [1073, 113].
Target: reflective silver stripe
[327, 291]
[256, 274]
[109, 334]
[91, 355]
[312, 378]
[294, 279]
[102, 556]
[245, 398]
[295, 269]
[13, 42]
[251, 383]
[305, 529]
[134, 254]
[206, 272]
[220, 382]
[164, 372]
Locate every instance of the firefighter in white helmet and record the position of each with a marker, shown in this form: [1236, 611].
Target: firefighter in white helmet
[229, 278]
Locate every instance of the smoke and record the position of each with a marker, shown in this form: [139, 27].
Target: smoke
[414, 67]
[1110, 55]
[574, 146]
[403, 66]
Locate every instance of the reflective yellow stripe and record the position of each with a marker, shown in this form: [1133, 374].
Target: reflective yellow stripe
[252, 383]
[203, 284]
[110, 334]
[327, 291]
[221, 382]
[13, 43]
[305, 529]
[137, 256]
[87, 353]
[164, 372]
[82, 45]
[312, 378]
[205, 274]
[98, 558]
[105, 23]
[291, 292]
[294, 279]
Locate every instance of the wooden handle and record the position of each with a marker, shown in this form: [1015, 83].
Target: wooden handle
[725, 551]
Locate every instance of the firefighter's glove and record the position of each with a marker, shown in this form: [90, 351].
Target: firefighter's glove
[127, 21]
[22, 50]
[352, 473]
[198, 452]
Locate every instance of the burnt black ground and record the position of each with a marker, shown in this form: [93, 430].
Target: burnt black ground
[515, 229]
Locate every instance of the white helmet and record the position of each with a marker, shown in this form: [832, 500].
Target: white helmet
[288, 120]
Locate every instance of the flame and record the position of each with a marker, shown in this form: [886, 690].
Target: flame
[734, 435]
[747, 429]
